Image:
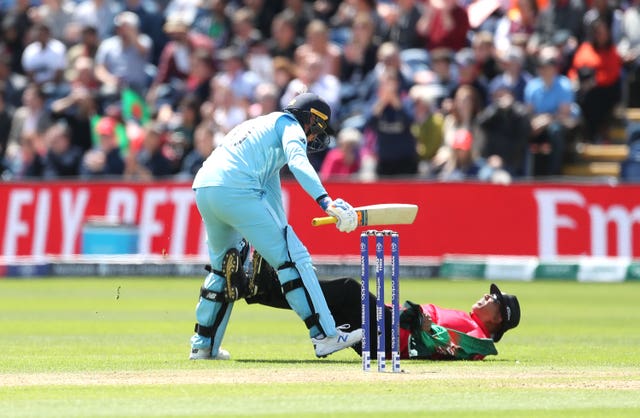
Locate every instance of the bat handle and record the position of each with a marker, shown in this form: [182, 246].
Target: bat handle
[327, 220]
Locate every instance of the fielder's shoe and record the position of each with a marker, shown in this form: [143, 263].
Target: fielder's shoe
[205, 354]
[341, 340]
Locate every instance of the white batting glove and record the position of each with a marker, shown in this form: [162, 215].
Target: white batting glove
[344, 212]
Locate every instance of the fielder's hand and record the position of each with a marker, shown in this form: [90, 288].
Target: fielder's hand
[344, 212]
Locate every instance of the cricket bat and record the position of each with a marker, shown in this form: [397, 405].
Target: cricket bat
[382, 214]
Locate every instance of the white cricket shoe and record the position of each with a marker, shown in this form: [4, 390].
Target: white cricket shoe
[205, 354]
[328, 345]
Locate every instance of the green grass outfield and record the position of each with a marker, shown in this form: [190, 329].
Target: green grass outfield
[119, 347]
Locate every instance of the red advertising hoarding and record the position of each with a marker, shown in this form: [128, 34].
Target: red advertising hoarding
[463, 218]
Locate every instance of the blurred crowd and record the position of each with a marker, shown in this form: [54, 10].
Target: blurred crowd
[491, 90]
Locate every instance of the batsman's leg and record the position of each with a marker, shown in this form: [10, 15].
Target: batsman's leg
[214, 309]
[212, 315]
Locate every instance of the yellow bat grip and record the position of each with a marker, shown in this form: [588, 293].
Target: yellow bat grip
[327, 220]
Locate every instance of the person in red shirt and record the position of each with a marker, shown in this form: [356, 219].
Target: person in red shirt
[343, 160]
[596, 68]
[427, 331]
[444, 24]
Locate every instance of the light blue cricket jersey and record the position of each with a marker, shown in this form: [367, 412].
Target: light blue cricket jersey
[254, 152]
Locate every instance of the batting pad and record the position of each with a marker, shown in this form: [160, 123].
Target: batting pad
[297, 298]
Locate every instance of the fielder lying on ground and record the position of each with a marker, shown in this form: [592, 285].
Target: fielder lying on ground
[426, 331]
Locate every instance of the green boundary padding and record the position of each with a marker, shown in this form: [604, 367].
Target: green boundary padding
[463, 269]
[633, 272]
[557, 271]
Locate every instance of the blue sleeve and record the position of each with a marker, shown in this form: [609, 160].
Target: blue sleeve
[294, 143]
[567, 96]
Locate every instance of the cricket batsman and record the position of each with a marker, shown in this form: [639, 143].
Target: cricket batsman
[238, 194]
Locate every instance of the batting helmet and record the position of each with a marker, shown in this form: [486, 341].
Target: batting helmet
[303, 107]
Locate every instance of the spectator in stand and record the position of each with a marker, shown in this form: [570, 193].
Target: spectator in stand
[464, 110]
[105, 159]
[201, 72]
[203, 146]
[263, 14]
[225, 110]
[26, 160]
[469, 75]
[597, 68]
[303, 12]
[520, 20]
[122, 60]
[5, 128]
[259, 61]
[325, 9]
[150, 161]
[317, 41]
[629, 50]
[388, 60]
[312, 79]
[444, 23]
[212, 20]
[86, 47]
[16, 25]
[57, 15]
[189, 119]
[461, 164]
[428, 126]
[29, 121]
[609, 13]
[284, 36]
[62, 159]
[390, 121]
[283, 74]
[485, 53]
[184, 7]
[343, 161]
[176, 60]
[236, 75]
[551, 101]
[342, 19]
[401, 18]
[81, 75]
[358, 60]
[267, 100]
[99, 14]
[79, 106]
[559, 18]
[513, 77]
[360, 52]
[12, 83]
[505, 128]
[244, 32]
[442, 69]
[44, 60]
[151, 24]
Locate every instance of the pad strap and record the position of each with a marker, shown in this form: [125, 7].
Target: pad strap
[207, 332]
[211, 295]
[212, 270]
[286, 265]
[312, 320]
[210, 332]
[292, 285]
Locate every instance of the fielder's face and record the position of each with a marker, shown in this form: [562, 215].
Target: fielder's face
[487, 308]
